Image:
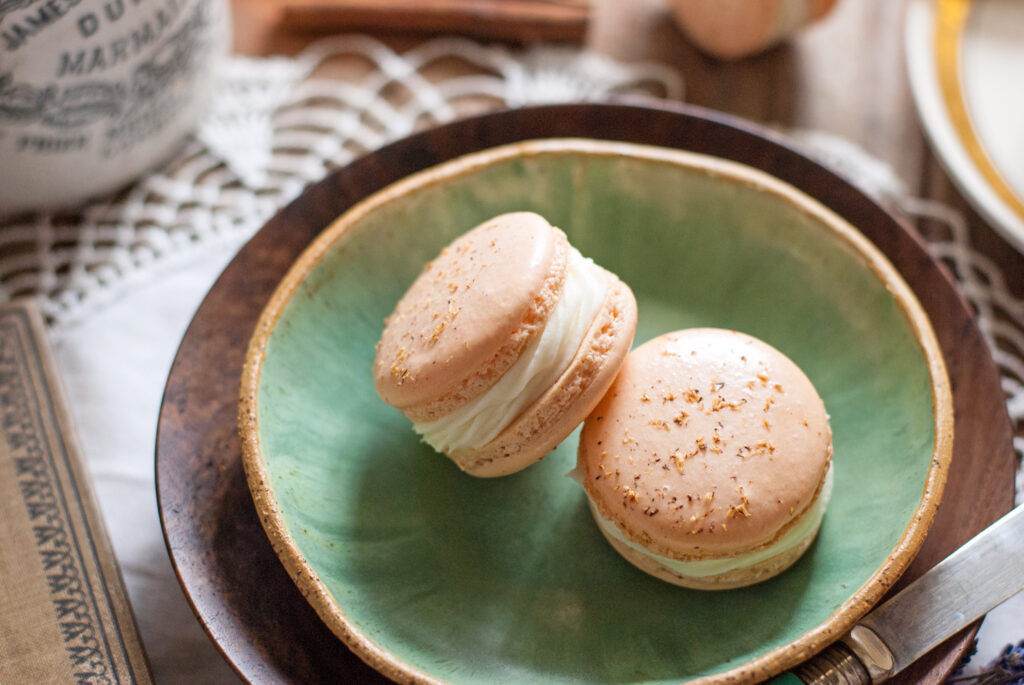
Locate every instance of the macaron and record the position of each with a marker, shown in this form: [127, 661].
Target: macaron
[731, 29]
[504, 343]
[708, 463]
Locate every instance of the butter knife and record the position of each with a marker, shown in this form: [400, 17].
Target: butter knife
[972, 581]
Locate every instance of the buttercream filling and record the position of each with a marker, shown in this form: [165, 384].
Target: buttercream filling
[481, 420]
[701, 568]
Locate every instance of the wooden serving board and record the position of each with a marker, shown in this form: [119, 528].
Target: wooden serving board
[236, 584]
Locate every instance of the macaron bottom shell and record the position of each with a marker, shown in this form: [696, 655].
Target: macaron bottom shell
[729, 580]
[738, 571]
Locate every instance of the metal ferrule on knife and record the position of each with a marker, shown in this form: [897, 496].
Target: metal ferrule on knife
[979, 576]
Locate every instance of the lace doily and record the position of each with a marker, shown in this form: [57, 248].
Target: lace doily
[279, 124]
[1000, 315]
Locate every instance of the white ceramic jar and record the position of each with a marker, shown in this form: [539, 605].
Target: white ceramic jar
[95, 92]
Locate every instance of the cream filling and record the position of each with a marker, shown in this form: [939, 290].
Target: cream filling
[702, 568]
[481, 420]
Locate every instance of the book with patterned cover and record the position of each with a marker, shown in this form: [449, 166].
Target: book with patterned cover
[64, 612]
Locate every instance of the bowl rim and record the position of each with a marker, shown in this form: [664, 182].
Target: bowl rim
[771, 663]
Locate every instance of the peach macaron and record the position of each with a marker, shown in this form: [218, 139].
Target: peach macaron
[708, 463]
[731, 29]
[504, 343]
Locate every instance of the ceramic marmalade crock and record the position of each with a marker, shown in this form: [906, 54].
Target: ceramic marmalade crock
[95, 92]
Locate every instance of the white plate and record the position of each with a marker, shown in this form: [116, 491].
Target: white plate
[966, 65]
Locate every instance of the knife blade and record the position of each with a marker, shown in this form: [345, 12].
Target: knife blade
[980, 575]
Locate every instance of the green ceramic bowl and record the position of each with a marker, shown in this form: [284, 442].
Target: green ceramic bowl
[431, 575]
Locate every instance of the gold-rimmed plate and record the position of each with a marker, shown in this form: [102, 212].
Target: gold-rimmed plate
[966, 64]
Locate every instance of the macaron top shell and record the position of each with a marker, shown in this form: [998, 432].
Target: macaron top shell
[709, 443]
[470, 314]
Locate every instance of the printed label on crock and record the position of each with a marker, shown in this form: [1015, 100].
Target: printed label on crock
[18, 30]
[113, 74]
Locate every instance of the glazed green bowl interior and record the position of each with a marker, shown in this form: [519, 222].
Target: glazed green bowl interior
[508, 580]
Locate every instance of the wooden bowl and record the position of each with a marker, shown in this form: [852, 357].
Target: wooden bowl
[235, 582]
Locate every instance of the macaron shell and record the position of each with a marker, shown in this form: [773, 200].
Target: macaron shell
[709, 443]
[469, 315]
[556, 413]
[727, 580]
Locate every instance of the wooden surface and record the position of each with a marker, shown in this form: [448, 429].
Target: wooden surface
[845, 76]
[240, 589]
